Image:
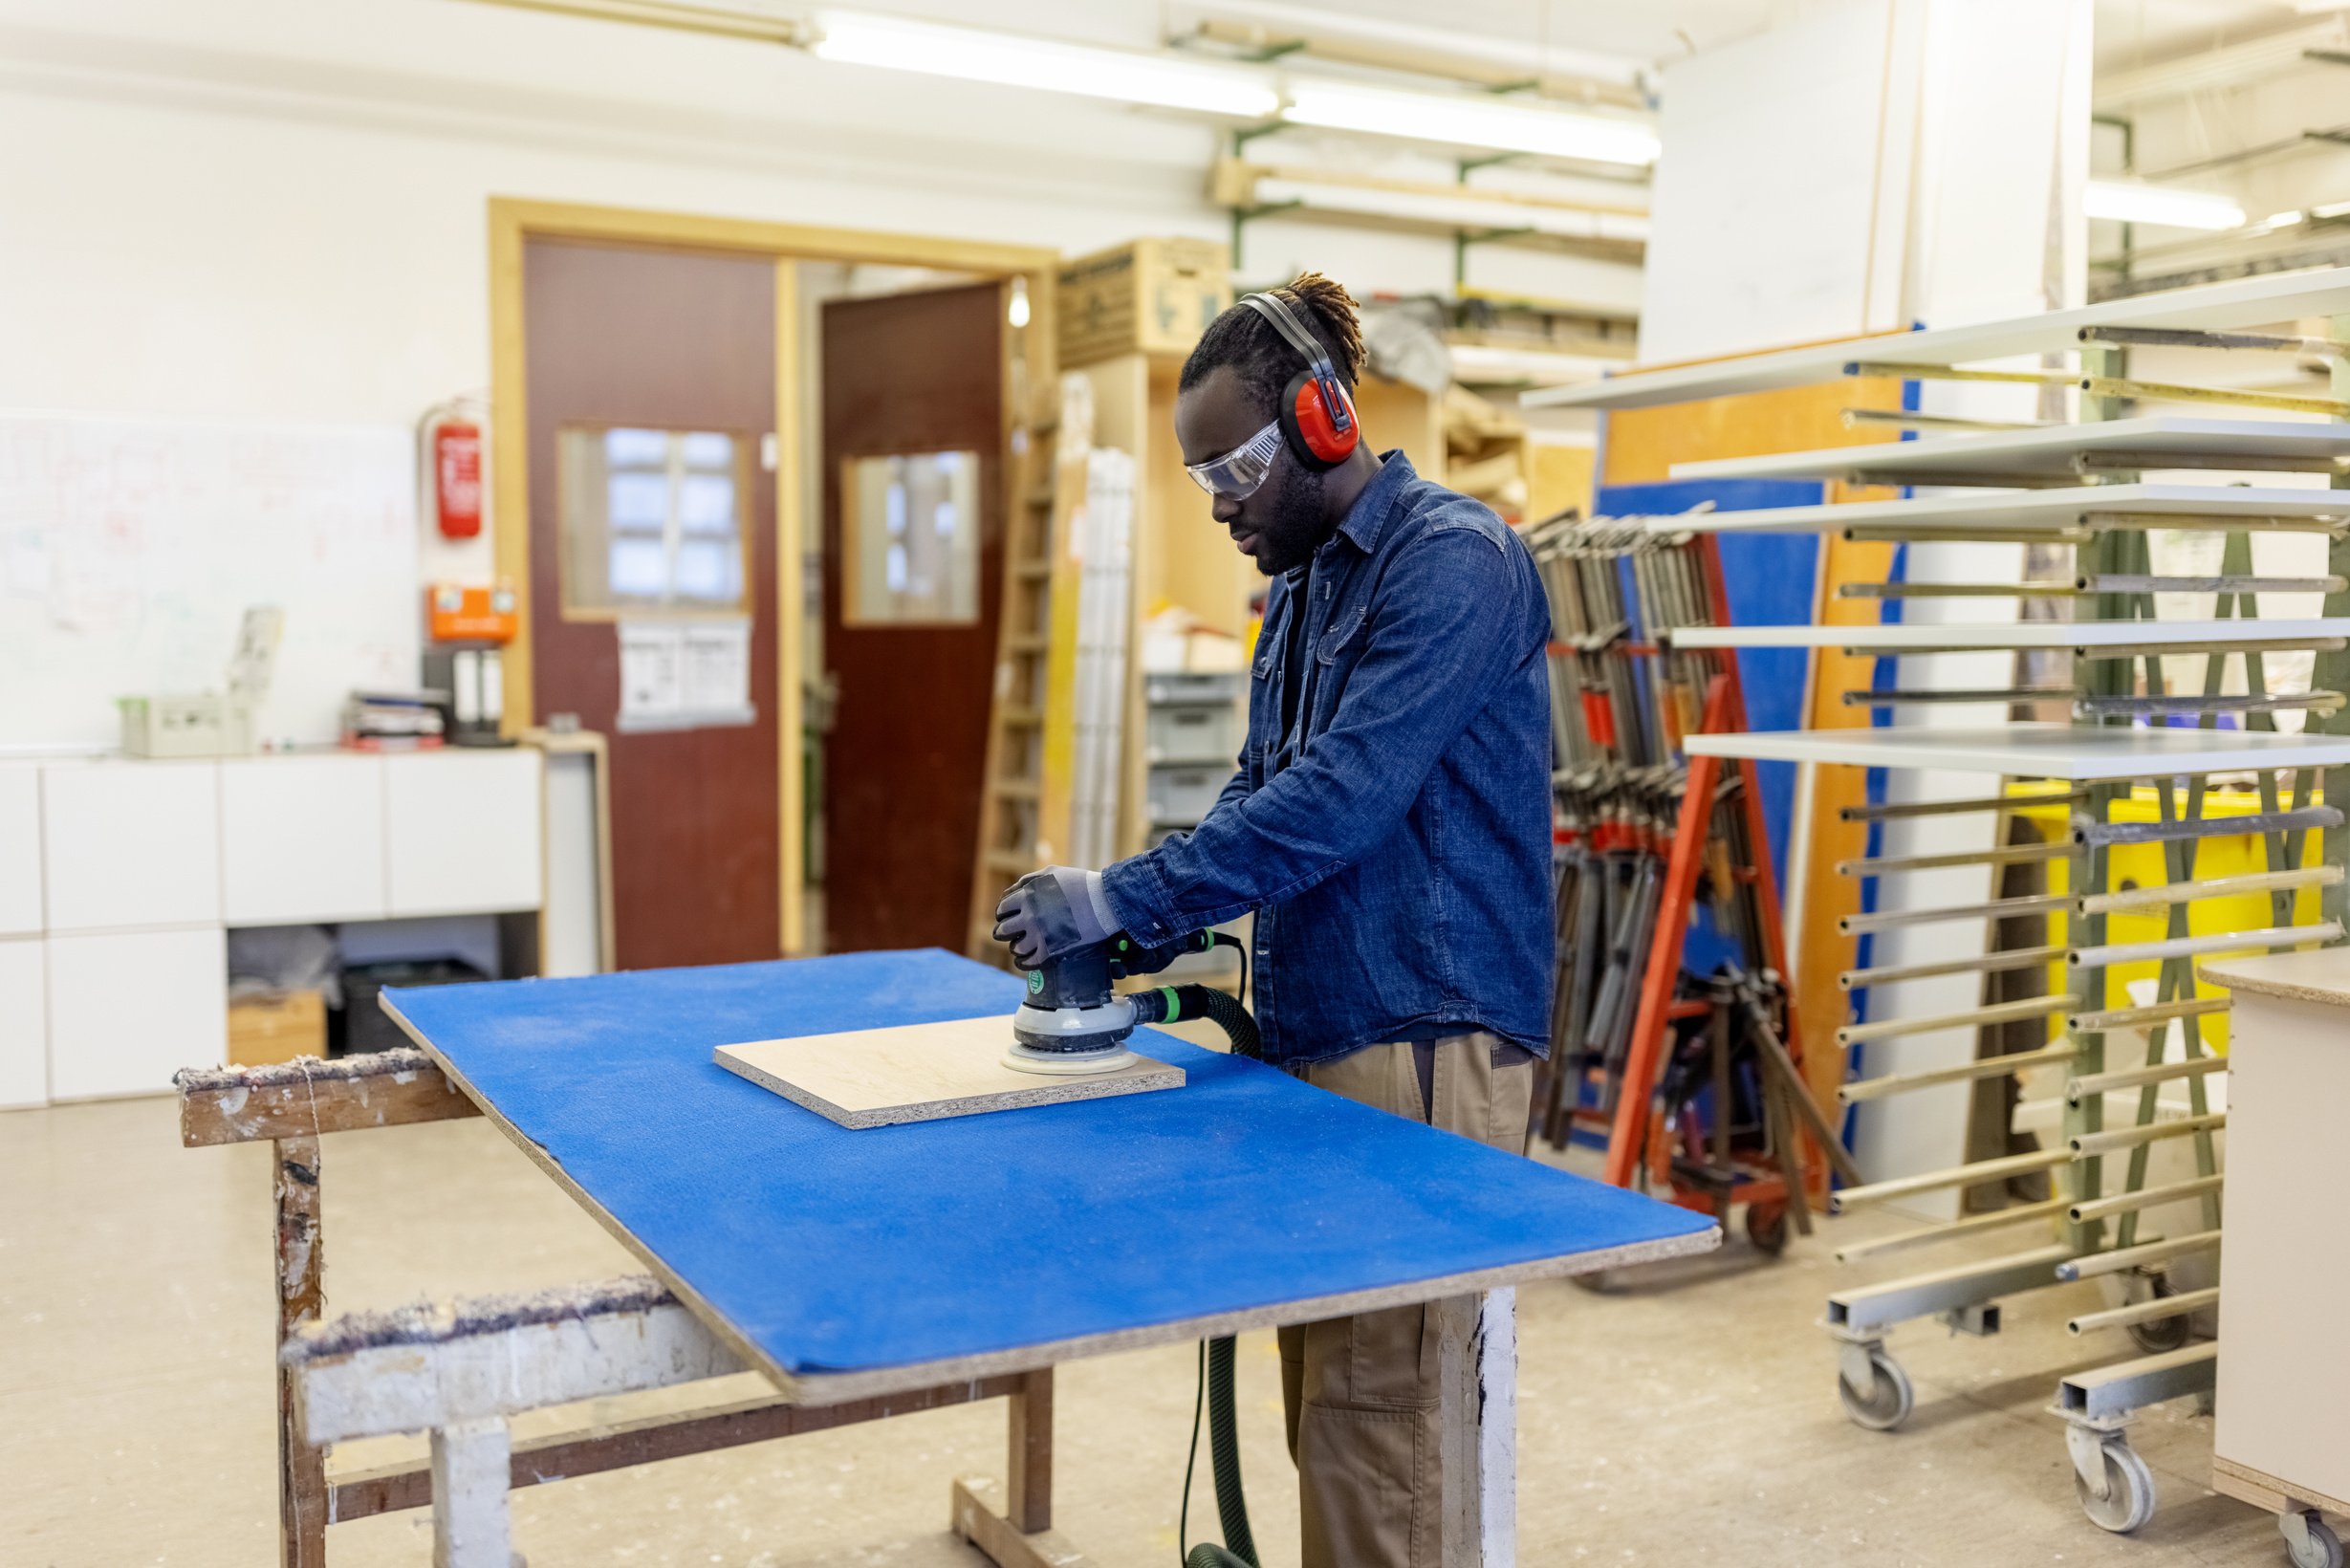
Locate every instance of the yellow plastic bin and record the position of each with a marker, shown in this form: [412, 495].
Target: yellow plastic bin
[2139, 865]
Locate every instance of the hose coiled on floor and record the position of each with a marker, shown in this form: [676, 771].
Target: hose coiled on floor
[1166, 1004]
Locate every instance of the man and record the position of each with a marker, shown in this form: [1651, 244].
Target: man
[1390, 825]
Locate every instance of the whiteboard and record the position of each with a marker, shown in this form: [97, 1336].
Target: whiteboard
[130, 548]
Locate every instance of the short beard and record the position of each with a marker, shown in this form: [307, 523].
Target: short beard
[1294, 525]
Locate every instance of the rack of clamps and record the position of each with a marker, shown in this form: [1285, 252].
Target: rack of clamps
[1690, 1081]
[2163, 767]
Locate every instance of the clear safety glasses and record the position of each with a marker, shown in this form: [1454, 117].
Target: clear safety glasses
[1238, 473]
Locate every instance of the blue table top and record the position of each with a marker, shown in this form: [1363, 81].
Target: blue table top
[979, 1240]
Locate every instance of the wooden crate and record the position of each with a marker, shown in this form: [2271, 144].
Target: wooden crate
[265, 1030]
[1148, 297]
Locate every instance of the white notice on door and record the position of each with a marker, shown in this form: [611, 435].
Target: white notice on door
[680, 674]
[715, 668]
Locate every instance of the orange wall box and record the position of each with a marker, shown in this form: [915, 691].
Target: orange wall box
[471, 615]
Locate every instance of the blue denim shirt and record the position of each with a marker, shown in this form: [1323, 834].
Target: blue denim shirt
[1397, 849]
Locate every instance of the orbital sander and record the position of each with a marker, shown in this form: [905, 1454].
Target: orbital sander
[1073, 1021]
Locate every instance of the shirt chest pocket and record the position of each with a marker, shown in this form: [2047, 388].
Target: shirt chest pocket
[1343, 640]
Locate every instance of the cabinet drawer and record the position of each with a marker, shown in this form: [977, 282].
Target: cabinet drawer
[24, 1022]
[1194, 732]
[1181, 795]
[20, 850]
[130, 843]
[129, 1009]
[463, 832]
[302, 840]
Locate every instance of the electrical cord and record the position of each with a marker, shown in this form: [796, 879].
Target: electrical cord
[1225, 939]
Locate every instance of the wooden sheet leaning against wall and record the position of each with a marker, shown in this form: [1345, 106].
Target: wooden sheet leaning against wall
[1640, 446]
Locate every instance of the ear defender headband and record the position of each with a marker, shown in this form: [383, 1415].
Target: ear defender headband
[1318, 418]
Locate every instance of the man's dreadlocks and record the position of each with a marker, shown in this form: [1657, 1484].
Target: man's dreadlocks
[1264, 360]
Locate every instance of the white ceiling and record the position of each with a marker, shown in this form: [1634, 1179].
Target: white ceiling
[2128, 31]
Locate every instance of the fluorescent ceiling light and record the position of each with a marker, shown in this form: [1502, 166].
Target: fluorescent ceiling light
[1466, 210]
[1009, 60]
[2282, 220]
[2127, 201]
[1466, 121]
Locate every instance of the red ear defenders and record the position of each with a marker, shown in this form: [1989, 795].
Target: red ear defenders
[1317, 416]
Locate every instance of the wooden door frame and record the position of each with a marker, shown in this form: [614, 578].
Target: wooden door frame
[513, 221]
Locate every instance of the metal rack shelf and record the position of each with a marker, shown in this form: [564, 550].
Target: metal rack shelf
[2086, 638]
[2073, 751]
[2278, 297]
[2131, 876]
[2076, 509]
[2151, 441]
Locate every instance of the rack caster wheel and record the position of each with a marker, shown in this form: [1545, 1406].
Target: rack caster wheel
[1887, 1400]
[2128, 1501]
[1767, 1226]
[2163, 1333]
[2310, 1542]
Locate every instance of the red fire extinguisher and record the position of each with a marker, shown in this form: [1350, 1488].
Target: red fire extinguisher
[453, 459]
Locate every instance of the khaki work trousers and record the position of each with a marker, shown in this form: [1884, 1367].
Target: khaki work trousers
[1361, 1393]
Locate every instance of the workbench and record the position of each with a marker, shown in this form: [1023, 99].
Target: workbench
[870, 1272]
[2276, 1439]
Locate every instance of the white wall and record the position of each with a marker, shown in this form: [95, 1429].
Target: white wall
[275, 209]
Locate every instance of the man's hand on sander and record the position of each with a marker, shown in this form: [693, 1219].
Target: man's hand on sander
[1054, 911]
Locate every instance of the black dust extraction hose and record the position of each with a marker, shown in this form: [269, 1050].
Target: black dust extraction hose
[1166, 1004]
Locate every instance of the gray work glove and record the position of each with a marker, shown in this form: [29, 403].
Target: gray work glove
[1054, 911]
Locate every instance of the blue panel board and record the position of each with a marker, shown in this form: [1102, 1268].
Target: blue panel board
[1771, 579]
[837, 1251]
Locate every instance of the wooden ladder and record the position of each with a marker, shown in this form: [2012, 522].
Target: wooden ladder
[1049, 488]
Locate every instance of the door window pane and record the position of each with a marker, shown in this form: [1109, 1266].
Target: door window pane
[653, 519]
[911, 532]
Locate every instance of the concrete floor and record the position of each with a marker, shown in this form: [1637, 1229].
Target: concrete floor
[1670, 1421]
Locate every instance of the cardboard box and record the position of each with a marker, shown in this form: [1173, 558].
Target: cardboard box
[264, 1029]
[1149, 296]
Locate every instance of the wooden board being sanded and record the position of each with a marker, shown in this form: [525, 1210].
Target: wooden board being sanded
[879, 1078]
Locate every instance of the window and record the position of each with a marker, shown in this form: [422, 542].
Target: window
[653, 519]
[911, 527]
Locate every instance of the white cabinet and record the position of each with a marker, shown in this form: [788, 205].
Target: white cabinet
[130, 843]
[24, 1022]
[2284, 1339]
[302, 840]
[128, 1009]
[462, 831]
[20, 849]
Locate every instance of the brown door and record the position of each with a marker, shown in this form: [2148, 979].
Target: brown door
[651, 392]
[913, 554]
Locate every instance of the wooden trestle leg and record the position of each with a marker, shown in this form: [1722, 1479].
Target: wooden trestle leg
[301, 1467]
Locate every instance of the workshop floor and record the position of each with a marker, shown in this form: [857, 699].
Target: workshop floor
[1668, 1422]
